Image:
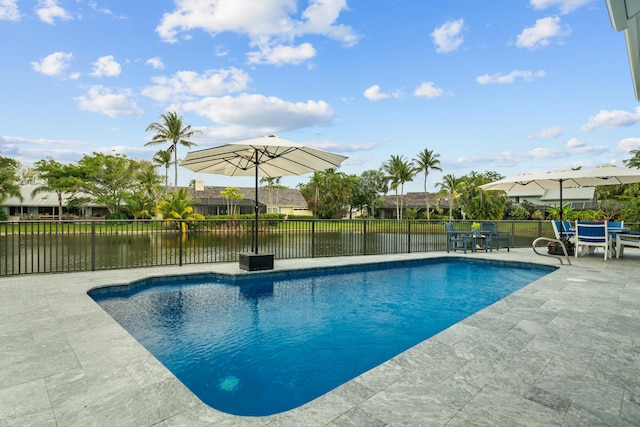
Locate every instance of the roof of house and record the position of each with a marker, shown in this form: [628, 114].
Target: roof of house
[44, 199]
[281, 197]
[411, 200]
[579, 193]
[568, 194]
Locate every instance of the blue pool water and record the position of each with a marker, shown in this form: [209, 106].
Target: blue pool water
[268, 343]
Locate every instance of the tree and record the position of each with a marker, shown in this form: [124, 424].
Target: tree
[172, 130]
[108, 178]
[9, 169]
[328, 193]
[425, 162]
[232, 196]
[399, 171]
[179, 205]
[56, 178]
[452, 186]
[142, 200]
[163, 158]
[373, 183]
[634, 161]
[478, 204]
[272, 183]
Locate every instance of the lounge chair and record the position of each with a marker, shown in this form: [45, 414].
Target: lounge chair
[457, 239]
[592, 235]
[490, 229]
[626, 239]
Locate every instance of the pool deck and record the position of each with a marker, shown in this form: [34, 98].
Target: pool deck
[564, 350]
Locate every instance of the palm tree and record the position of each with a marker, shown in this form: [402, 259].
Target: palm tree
[633, 162]
[399, 171]
[452, 186]
[172, 130]
[163, 158]
[426, 161]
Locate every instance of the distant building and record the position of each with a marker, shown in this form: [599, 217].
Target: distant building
[284, 201]
[45, 205]
[579, 198]
[411, 200]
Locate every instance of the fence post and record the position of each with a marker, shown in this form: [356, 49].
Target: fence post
[180, 223]
[93, 246]
[364, 238]
[408, 236]
[313, 238]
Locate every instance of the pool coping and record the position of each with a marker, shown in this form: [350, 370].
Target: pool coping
[562, 350]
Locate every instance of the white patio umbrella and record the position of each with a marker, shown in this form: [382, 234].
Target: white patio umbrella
[267, 157]
[601, 175]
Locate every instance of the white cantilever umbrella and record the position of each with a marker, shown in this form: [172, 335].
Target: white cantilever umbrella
[601, 175]
[267, 157]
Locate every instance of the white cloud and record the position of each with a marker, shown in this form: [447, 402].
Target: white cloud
[611, 119]
[54, 64]
[270, 114]
[102, 100]
[549, 133]
[106, 66]
[278, 55]
[269, 24]
[541, 33]
[48, 11]
[185, 85]
[627, 145]
[9, 10]
[510, 78]
[428, 90]
[565, 6]
[156, 63]
[575, 143]
[373, 93]
[447, 37]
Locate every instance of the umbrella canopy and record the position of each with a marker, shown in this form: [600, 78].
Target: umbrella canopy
[601, 175]
[267, 157]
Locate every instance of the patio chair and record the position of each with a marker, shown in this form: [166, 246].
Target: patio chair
[614, 224]
[457, 239]
[626, 239]
[563, 230]
[490, 229]
[592, 235]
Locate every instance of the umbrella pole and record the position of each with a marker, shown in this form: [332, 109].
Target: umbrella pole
[561, 208]
[254, 241]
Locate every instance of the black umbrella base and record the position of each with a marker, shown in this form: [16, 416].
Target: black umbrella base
[253, 261]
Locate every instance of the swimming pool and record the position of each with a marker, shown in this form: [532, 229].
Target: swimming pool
[265, 343]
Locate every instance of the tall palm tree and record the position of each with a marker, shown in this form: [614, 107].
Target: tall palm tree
[452, 186]
[172, 130]
[427, 161]
[399, 171]
[163, 158]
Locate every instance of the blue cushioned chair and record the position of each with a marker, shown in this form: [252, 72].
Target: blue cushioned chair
[562, 230]
[592, 235]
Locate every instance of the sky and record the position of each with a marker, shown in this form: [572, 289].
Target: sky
[509, 86]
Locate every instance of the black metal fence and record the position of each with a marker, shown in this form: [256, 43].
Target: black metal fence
[28, 247]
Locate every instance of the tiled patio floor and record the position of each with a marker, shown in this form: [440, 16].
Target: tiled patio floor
[564, 350]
